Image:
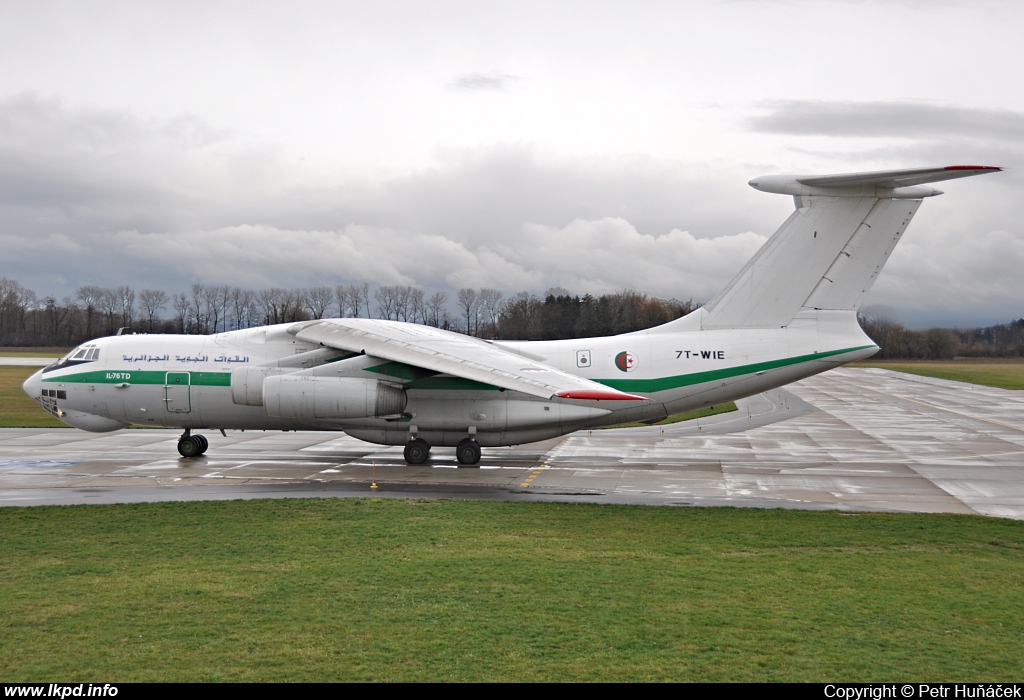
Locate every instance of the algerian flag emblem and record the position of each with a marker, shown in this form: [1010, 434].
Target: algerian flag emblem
[626, 361]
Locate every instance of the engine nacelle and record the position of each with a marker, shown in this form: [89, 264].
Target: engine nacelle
[247, 385]
[329, 398]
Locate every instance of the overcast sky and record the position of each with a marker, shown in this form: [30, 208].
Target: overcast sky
[588, 145]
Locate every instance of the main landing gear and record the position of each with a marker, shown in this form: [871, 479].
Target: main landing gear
[467, 452]
[190, 445]
[417, 451]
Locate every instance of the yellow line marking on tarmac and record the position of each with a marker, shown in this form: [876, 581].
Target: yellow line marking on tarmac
[534, 475]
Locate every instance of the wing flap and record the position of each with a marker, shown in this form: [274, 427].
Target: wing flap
[455, 354]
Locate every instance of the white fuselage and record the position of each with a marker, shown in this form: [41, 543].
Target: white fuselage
[218, 381]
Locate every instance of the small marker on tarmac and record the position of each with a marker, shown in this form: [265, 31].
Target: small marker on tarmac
[373, 479]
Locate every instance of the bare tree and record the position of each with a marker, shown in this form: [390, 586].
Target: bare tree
[469, 306]
[386, 297]
[182, 305]
[197, 309]
[318, 299]
[341, 297]
[110, 302]
[126, 301]
[269, 301]
[89, 295]
[417, 306]
[293, 303]
[15, 301]
[364, 292]
[243, 307]
[434, 309]
[152, 301]
[212, 308]
[488, 301]
[403, 301]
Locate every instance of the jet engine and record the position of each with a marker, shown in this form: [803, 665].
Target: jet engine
[329, 398]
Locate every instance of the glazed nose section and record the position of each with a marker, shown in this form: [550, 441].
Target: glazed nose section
[33, 386]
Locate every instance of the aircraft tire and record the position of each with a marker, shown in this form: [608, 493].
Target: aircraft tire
[468, 452]
[417, 451]
[204, 444]
[190, 447]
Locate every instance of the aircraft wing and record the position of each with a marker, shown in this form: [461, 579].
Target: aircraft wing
[455, 354]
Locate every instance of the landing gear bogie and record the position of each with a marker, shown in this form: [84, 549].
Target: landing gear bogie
[468, 452]
[190, 446]
[417, 451]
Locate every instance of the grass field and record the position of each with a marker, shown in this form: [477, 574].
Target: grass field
[999, 373]
[34, 352]
[392, 590]
[17, 410]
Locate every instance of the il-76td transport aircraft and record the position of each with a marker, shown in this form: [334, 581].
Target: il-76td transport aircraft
[790, 313]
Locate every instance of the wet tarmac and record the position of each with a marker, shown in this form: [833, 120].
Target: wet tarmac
[850, 439]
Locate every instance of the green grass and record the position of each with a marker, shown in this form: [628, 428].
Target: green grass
[726, 407]
[392, 590]
[34, 352]
[1002, 374]
[17, 410]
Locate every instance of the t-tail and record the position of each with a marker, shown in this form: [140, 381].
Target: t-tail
[823, 260]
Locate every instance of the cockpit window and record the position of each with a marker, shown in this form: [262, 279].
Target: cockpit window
[83, 353]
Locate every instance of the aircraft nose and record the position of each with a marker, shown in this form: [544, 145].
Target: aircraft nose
[33, 386]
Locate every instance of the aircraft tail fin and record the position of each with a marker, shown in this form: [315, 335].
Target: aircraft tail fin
[829, 252]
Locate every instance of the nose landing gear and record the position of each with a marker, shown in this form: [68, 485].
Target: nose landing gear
[190, 445]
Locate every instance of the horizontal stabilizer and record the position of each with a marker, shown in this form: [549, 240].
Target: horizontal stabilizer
[898, 184]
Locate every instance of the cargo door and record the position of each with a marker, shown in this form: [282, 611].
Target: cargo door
[177, 396]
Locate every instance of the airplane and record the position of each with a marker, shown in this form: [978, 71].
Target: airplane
[790, 313]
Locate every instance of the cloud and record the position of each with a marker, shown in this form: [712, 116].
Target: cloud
[903, 119]
[584, 256]
[108, 198]
[485, 82]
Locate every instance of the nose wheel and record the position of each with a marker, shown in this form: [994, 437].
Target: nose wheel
[192, 445]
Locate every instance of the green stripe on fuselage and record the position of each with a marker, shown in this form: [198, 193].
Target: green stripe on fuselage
[649, 386]
[142, 377]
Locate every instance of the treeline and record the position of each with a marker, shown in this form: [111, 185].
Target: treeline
[562, 315]
[898, 342]
[27, 320]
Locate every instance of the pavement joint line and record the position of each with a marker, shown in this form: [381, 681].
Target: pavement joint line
[1015, 428]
